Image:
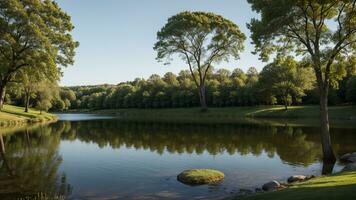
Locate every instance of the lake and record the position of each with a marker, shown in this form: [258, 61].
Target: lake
[98, 157]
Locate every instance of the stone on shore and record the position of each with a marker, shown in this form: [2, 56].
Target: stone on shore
[297, 178]
[270, 186]
[349, 167]
[349, 157]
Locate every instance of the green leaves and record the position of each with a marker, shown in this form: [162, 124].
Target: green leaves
[199, 38]
[321, 31]
[34, 34]
[285, 78]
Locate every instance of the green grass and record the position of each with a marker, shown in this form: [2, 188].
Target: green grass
[334, 187]
[13, 116]
[297, 114]
[200, 176]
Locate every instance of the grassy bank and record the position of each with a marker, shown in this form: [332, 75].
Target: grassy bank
[297, 114]
[334, 187]
[13, 116]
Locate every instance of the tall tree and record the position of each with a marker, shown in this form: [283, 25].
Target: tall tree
[26, 85]
[27, 88]
[321, 30]
[33, 34]
[200, 39]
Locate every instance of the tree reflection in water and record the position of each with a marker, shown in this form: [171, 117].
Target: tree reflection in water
[30, 159]
[29, 164]
[294, 145]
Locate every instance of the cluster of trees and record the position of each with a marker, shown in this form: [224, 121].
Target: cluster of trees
[280, 82]
[223, 88]
[43, 95]
[322, 33]
[35, 43]
[35, 40]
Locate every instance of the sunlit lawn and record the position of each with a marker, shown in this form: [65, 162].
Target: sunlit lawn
[308, 114]
[13, 115]
[335, 187]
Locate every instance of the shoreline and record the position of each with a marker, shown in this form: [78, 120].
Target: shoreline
[340, 116]
[271, 112]
[13, 117]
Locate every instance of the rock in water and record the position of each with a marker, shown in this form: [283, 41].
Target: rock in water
[244, 192]
[258, 190]
[296, 178]
[200, 176]
[273, 185]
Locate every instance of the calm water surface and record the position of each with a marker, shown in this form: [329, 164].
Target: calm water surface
[90, 157]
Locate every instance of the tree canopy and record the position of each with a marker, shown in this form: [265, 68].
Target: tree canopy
[33, 34]
[283, 78]
[200, 39]
[321, 31]
[223, 88]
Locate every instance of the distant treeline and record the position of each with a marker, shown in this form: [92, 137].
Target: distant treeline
[223, 88]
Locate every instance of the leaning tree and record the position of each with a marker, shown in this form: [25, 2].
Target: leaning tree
[200, 39]
[33, 34]
[321, 31]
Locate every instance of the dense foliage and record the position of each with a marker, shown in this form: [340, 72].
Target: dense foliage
[35, 42]
[224, 88]
[321, 32]
[201, 39]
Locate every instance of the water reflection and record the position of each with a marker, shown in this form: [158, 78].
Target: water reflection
[292, 145]
[29, 164]
[30, 159]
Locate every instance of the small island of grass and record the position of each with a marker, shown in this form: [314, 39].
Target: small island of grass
[200, 176]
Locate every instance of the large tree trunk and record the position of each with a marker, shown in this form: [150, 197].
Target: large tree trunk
[286, 102]
[328, 153]
[2, 145]
[27, 102]
[202, 98]
[2, 96]
[328, 167]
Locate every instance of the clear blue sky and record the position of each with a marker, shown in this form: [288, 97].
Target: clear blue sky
[117, 36]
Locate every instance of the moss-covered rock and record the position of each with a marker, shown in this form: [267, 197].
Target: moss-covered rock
[200, 176]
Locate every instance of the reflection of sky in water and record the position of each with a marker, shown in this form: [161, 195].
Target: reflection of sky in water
[130, 173]
[80, 117]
